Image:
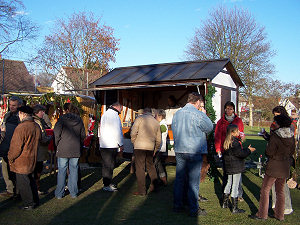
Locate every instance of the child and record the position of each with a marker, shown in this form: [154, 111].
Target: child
[161, 118]
[234, 155]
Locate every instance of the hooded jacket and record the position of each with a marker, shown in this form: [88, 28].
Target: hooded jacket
[69, 133]
[280, 149]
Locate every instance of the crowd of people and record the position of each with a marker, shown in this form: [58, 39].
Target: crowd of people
[23, 148]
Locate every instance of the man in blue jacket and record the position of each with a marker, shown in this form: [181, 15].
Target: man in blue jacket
[190, 126]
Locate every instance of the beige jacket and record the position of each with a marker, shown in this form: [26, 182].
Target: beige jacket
[145, 133]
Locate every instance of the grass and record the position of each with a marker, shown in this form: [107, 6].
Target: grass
[93, 206]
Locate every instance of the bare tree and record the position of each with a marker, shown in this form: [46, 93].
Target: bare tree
[44, 79]
[15, 26]
[80, 42]
[234, 34]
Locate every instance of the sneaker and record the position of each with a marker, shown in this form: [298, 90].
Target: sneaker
[110, 188]
[200, 212]
[288, 211]
[42, 192]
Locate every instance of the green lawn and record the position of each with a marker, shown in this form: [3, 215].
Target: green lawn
[93, 206]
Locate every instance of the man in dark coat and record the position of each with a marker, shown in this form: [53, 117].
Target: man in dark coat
[22, 157]
[10, 122]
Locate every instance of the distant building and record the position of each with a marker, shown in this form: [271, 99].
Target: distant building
[62, 83]
[290, 104]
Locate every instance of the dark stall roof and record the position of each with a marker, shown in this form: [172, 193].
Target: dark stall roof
[179, 73]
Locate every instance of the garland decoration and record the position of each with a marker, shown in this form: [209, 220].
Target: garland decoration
[212, 172]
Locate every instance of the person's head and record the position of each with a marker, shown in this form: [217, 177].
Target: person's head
[279, 110]
[117, 106]
[229, 108]
[70, 108]
[14, 103]
[232, 131]
[172, 101]
[160, 115]
[147, 110]
[39, 110]
[196, 99]
[282, 121]
[24, 111]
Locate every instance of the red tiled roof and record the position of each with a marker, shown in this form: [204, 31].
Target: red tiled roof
[16, 77]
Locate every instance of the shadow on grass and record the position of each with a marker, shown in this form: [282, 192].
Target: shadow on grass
[124, 208]
[219, 187]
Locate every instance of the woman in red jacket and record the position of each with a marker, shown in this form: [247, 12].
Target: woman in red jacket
[229, 117]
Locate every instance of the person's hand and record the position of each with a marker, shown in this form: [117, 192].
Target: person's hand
[121, 148]
[3, 128]
[251, 148]
[202, 109]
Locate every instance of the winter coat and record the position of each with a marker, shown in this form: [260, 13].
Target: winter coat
[280, 149]
[22, 153]
[145, 133]
[45, 140]
[234, 157]
[221, 128]
[10, 121]
[110, 131]
[69, 134]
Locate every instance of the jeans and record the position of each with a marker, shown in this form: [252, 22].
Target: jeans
[233, 184]
[264, 197]
[63, 164]
[188, 168]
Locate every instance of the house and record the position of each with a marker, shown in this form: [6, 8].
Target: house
[72, 80]
[137, 87]
[150, 85]
[290, 104]
[15, 77]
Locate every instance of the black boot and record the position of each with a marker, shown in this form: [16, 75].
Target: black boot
[235, 208]
[225, 201]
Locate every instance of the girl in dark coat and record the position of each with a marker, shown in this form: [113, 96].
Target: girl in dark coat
[234, 156]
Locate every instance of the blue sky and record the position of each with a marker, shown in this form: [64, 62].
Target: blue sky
[158, 31]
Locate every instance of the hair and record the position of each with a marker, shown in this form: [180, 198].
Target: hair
[37, 108]
[116, 104]
[16, 98]
[230, 104]
[173, 99]
[70, 108]
[147, 110]
[194, 97]
[283, 120]
[229, 138]
[161, 112]
[280, 109]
